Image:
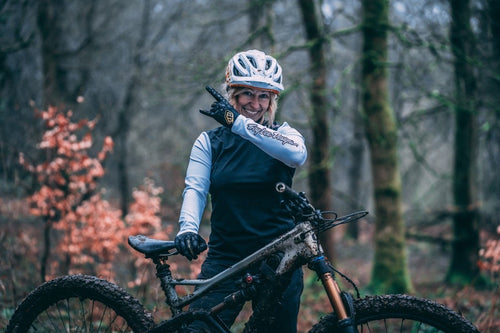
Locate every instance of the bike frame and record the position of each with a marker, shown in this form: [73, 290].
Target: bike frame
[299, 246]
[299, 243]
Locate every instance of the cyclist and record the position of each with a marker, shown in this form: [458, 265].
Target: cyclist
[239, 164]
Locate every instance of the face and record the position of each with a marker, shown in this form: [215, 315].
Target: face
[252, 103]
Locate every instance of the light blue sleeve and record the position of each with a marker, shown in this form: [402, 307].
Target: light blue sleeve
[285, 144]
[197, 184]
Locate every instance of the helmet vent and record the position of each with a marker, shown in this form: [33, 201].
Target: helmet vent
[236, 72]
[252, 61]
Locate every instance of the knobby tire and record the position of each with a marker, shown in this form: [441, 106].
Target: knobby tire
[79, 303]
[400, 313]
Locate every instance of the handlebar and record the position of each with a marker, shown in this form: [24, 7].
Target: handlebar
[296, 203]
[300, 209]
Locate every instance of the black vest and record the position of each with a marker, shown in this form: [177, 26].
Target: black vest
[246, 211]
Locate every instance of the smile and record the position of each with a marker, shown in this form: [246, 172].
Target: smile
[252, 112]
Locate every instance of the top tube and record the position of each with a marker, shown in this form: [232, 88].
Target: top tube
[285, 243]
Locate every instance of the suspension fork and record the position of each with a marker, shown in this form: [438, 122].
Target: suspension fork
[345, 321]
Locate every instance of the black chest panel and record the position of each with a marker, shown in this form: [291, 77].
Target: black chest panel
[246, 212]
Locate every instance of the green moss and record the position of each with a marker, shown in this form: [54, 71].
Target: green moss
[388, 192]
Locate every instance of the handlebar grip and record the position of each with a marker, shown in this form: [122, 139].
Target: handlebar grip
[287, 191]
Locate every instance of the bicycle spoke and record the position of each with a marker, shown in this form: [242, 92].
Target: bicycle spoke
[102, 318]
[113, 322]
[51, 320]
[82, 311]
[68, 311]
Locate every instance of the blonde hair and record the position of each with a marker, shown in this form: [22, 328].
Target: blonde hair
[232, 93]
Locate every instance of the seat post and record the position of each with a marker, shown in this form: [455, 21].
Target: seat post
[165, 276]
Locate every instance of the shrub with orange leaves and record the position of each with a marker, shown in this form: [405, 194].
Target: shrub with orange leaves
[89, 231]
[490, 256]
[92, 236]
[489, 263]
[66, 197]
[144, 212]
[143, 218]
[69, 175]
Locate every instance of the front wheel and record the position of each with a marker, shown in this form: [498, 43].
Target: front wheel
[79, 303]
[400, 313]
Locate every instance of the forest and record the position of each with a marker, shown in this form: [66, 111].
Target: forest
[397, 100]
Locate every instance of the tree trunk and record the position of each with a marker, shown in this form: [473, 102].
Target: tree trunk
[60, 87]
[53, 84]
[121, 136]
[46, 249]
[390, 271]
[122, 132]
[53, 92]
[355, 170]
[319, 172]
[260, 24]
[465, 245]
[494, 12]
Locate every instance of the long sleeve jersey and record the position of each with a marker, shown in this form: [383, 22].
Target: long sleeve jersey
[227, 162]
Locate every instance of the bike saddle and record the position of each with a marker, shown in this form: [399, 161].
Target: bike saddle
[149, 246]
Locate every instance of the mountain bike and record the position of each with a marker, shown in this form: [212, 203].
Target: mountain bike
[81, 303]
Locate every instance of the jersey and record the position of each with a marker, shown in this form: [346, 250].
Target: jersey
[240, 167]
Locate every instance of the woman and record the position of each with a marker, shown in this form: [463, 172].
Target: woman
[239, 164]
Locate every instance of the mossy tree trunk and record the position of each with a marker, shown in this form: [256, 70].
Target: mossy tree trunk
[319, 167]
[390, 268]
[463, 267]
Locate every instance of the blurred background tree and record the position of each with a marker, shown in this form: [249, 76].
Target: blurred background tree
[465, 246]
[390, 270]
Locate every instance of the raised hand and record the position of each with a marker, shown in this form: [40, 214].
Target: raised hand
[217, 95]
[221, 110]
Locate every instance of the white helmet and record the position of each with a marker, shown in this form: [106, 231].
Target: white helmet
[254, 69]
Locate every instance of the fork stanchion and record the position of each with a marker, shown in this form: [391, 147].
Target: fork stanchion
[320, 266]
[333, 292]
[345, 323]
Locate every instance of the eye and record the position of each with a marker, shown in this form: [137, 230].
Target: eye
[247, 94]
[264, 96]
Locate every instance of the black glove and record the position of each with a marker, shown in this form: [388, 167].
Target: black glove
[190, 245]
[221, 110]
